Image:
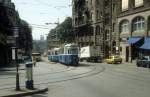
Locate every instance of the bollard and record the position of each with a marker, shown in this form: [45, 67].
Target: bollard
[29, 75]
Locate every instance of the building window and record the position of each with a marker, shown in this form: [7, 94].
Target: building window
[91, 16]
[138, 24]
[97, 30]
[138, 3]
[124, 26]
[107, 3]
[113, 27]
[91, 2]
[113, 7]
[97, 15]
[97, 2]
[125, 5]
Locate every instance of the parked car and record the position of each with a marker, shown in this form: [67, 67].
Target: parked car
[114, 59]
[143, 62]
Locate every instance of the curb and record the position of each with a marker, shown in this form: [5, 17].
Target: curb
[10, 69]
[27, 93]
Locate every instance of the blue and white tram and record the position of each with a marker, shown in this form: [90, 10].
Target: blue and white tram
[67, 55]
[53, 55]
[70, 55]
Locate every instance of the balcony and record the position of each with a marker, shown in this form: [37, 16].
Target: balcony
[139, 33]
[124, 34]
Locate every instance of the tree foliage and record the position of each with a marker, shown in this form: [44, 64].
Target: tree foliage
[65, 31]
[25, 37]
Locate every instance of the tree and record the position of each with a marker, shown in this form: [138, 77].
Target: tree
[65, 31]
[25, 37]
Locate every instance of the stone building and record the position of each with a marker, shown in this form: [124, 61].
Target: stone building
[133, 28]
[52, 39]
[92, 21]
[9, 19]
[118, 26]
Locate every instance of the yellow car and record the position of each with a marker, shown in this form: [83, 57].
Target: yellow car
[114, 59]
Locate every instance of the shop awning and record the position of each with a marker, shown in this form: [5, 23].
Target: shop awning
[134, 40]
[146, 44]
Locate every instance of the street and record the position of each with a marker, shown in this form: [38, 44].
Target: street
[86, 80]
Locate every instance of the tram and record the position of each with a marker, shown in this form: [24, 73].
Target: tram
[66, 55]
[53, 55]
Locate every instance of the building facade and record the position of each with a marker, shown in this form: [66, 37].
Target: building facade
[53, 40]
[92, 21]
[118, 26]
[9, 19]
[133, 27]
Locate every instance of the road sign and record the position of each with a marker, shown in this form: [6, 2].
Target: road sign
[11, 40]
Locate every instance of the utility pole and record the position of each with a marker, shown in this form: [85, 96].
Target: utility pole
[15, 56]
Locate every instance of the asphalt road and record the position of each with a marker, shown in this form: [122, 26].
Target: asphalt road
[86, 80]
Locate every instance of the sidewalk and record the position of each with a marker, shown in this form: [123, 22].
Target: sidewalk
[22, 92]
[10, 92]
[21, 67]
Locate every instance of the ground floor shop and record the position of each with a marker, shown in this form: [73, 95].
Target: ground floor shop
[135, 47]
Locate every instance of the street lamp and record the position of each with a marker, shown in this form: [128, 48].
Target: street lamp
[15, 56]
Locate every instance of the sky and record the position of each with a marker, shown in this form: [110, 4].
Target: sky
[39, 12]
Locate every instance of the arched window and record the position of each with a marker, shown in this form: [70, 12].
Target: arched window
[138, 24]
[124, 26]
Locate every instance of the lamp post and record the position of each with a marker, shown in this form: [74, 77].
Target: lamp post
[15, 56]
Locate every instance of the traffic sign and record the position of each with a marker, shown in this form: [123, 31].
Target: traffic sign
[11, 40]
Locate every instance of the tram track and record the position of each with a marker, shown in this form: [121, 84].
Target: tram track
[130, 76]
[95, 70]
[58, 71]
